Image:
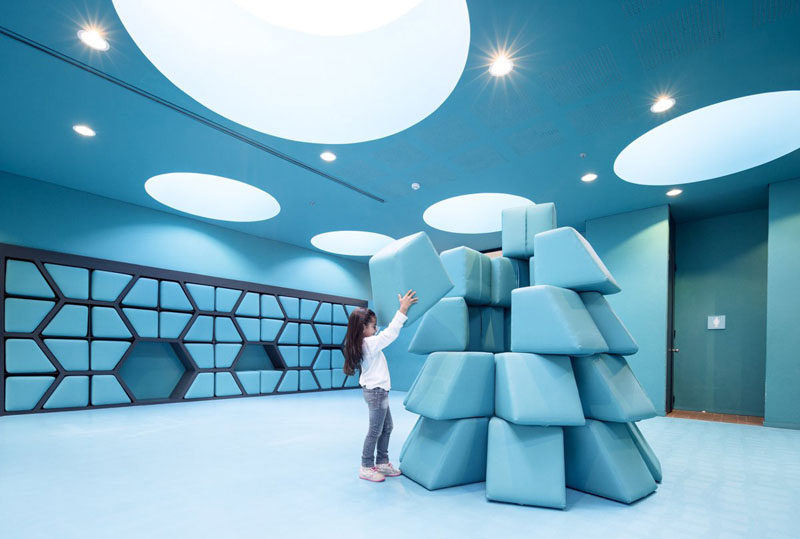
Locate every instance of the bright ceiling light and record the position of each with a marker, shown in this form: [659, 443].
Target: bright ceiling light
[213, 197]
[351, 242]
[289, 69]
[478, 213]
[674, 192]
[714, 141]
[662, 104]
[93, 38]
[84, 130]
[501, 65]
[328, 156]
[415, 186]
[589, 177]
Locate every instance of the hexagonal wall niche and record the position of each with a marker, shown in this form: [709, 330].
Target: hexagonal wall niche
[259, 357]
[155, 370]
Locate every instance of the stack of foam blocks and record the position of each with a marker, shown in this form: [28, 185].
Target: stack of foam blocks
[525, 386]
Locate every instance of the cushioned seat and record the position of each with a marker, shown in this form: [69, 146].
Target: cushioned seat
[269, 380]
[564, 258]
[486, 329]
[609, 390]
[25, 356]
[648, 455]
[520, 226]
[602, 459]
[225, 385]
[532, 389]
[454, 385]
[552, 320]
[507, 274]
[442, 454]
[24, 392]
[444, 327]
[410, 263]
[525, 465]
[614, 332]
[251, 381]
[202, 386]
[106, 389]
[471, 274]
[72, 392]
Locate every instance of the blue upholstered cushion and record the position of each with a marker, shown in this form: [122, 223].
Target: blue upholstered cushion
[144, 321]
[324, 378]
[564, 258]
[106, 354]
[202, 329]
[172, 296]
[73, 282]
[226, 298]
[25, 279]
[225, 354]
[23, 392]
[532, 389]
[323, 361]
[72, 392]
[70, 321]
[202, 353]
[73, 354]
[410, 263]
[106, 390]
[525, 465]
[609, 390]
[337, 358]
[225, 385]
[250, 380]
[269, 380]
[307, 381]
[289, 382]
[307, 335]
[306, 355]
[614, 332]
[270, 328]
[291, 305]
[107, 323]
[551, 320]
[323, 314]
[24, 355]
[339, 314]
[648, 455]
[143, 293]
[203, 296]
[249, 305]
[307, 308]
[443, 328]
[107, 285]
[250, 327]
[520, 226]
[270, 307]
[224, 330]
[505, 278]
[486, 329]
[290, 334]
[471, 274]
[170, 325]
[290, 355]
[202, 386]
[23, 315]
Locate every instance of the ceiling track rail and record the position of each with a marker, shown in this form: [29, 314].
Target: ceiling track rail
[181, 110]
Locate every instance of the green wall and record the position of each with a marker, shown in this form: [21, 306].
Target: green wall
[782, 393]
[635, 248]
[721, 269]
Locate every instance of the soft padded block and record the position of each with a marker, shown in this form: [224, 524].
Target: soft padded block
[225, 331]
[444, 454]
[225, 354]
[337, 335]
[203, 354]
[70, 321]
[564, 258]
[307, 335]
[324, 314]
[614, 332]
[24, 355]
[520, 226]
[337, 378]
[323, 378]
[338, 314]
[307, 355]
[225, 385]
[525, 465]
[602, 459]
[307, 381]
[106, 354]
[144, 321]
[202, 329]
[323, 361]
[170, 325]
[203, 296]
[289, 382]
[270, 328]
[471, 274]
[106, 390]
[269, 379]
[270, 307]
[107, 285]
[410, 263]
[23, 315]
[532, 389]
[251, 327]
[445, 327]
[454, 385]
[486, 328]
[251, 381]
[73, 282]
[648, 455]
[249, 305]
[290, 334]
[202, 386]
[290, 355]
[507, 274]
[226, 299]
[609, 390]
[532, 271]
[107, 323]
[325, 333]
[411, 436]
[172, 296]
[73, 354]
[551, 320]
[337, 359]
[291, 306]
[24, 278]
[72, 392]
[307, 308]
[351, 381]
[143, 293]
[23, 392]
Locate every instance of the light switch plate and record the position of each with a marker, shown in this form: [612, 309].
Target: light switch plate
[716, 321]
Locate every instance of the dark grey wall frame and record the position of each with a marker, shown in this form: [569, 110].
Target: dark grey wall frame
[178, 346]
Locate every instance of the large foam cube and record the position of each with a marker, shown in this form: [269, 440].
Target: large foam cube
[614, 332]
[410, 263]
[525, 465]
[443, 328]
[442, 454]
[486, 329]
[551, 320]
[609, 390]
[520, 226]
[648, 455]
[602, 459]
[532, 389]
[454, 385]
[564, 258]
[507, 274]
[471, 274]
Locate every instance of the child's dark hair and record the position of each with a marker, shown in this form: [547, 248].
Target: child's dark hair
[354, 339]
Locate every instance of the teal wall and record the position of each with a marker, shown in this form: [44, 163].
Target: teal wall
[635, 248]
[782, 393]
[721, 269]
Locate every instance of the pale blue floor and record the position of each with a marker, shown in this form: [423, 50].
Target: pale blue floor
[286, 467]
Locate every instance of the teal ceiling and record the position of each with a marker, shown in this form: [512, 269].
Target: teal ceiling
[586, 74]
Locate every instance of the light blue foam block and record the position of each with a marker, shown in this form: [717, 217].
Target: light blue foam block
[106, 390]
[270, 328]
[225, 354]
[23, 392]
[324, 314]
[307, 381]
[410, 263]
[351, 381]
[290, 355]
[444, 327]
[249, 305]
[532, 389]
[225, 331]
[339, 314]
[24, 278]
[323, 361]
[609, 390]
[520, 226]
[564, 258]
[203, 296]
[614, 332]
[144, 321]
[70, 321]
[73, 354]
[551, 320]
[106, 354]
[337, 358]
[486, 329]
[72, 392]
[411, 436]
[23, 315]
[25, 356]
[73, 282]
[442, 454]
[225, 299]
[337, 378]
[324, 378]
[170, 325]
[306, 355]
[291, 306]
[454, 385]
[143, 293]
[269, 379]
[225, 385]
[525, 465]
[290, 334]
[251, 327]
[648, 455]
[106, 323]
[202, 386]
[338, 334]
[203, 355]
[507, 274]
[172, 296]
[471, 274]
[307, 308]
[307, 335]
[325, 333]
[270, 307]
[602, 459]
[289, 382]
[107, 285]
[251, 381]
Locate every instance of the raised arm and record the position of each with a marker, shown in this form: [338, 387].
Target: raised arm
[388, 335]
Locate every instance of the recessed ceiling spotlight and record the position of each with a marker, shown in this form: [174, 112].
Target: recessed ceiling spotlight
[662, 104]
[84, 130]
[328, 156]
[501, 65]
[93, 38]
[415, 186]
[589, 177]
[674, 192]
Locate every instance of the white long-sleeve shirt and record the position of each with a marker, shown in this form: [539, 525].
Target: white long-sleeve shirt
[374, 370]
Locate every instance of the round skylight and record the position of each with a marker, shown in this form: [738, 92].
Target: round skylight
[308, 70]
[351, 242]
[714, 141]
[478, 213]
[213, 197]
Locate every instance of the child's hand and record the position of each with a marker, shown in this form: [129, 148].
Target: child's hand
[407, 301]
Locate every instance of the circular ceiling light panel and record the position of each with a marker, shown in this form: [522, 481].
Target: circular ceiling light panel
[213, 197]
[478, 213]
[308, 70]
[351, 242]
[714, 141]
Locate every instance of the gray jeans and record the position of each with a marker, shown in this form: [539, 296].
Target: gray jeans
[380, 427]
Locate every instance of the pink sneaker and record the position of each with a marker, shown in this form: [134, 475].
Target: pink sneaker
[371, 474]
[388, 470]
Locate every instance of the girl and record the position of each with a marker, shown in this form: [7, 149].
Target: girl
[363, 349]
